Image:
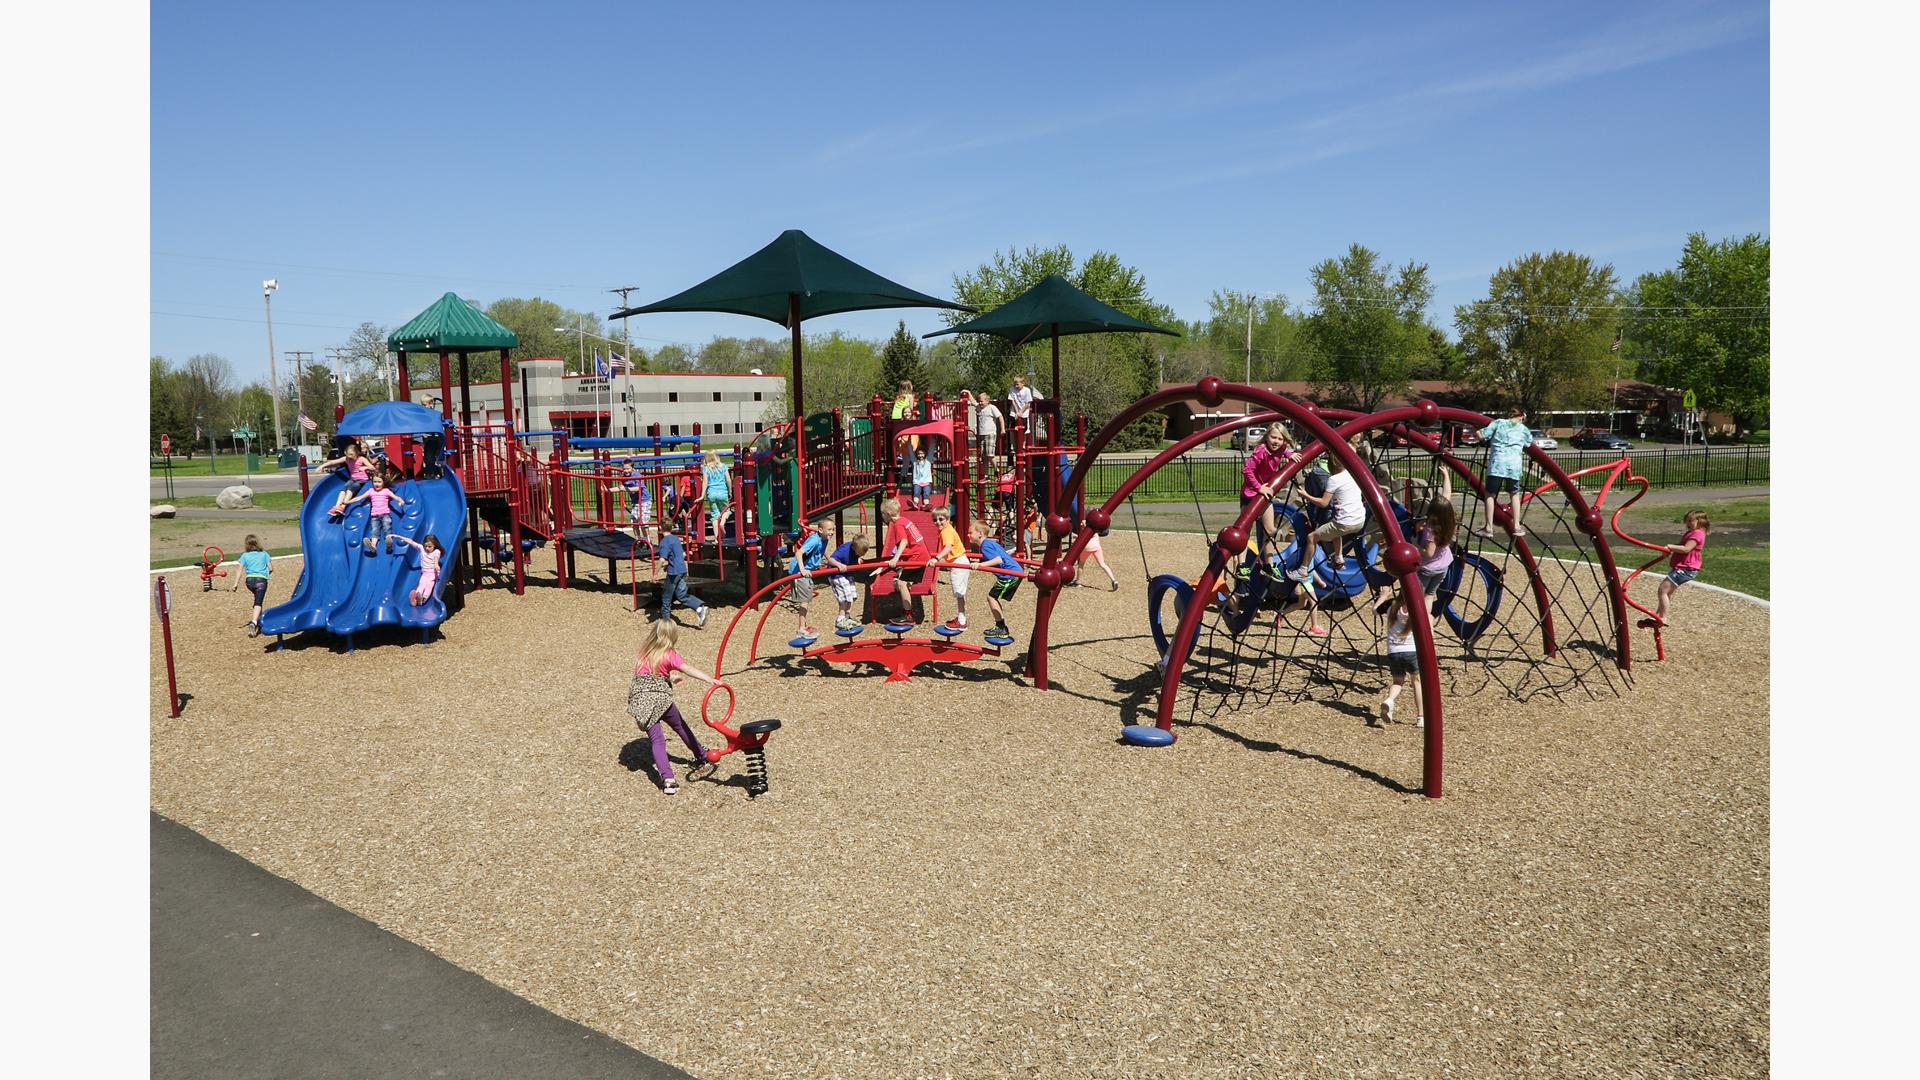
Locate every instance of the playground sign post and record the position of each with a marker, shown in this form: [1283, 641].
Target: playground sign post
[163, 606]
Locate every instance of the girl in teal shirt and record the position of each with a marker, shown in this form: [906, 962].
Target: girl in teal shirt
[255, 568]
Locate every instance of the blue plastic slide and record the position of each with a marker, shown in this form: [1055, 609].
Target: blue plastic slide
[345, 588]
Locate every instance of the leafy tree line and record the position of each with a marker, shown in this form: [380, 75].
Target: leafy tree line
[1542, 337]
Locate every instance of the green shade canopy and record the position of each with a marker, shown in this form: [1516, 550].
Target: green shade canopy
[765, 283]
[1053, 308]
[453, 325]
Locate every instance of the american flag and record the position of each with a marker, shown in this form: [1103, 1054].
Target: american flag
[1615, 347]
[619, 363]
[307, 422]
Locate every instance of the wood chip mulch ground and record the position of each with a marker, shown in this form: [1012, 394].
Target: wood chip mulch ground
[962, 876]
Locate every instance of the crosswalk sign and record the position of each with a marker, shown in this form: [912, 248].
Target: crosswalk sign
[1688, 401]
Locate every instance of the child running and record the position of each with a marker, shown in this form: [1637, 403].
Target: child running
[844, 590]
[673, 583]
[719, 488]
[953, 551]
[429, 549]
[256, 567]
[1092, 551]
[807, 557]
[1685, 558]
[381, 500]
[922, 479]
[994, 554]
[1402, 661]
[358, 470]
[906, 543]
[650, 699]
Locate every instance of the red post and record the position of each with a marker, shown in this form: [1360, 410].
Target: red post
[303, 478]
[163, 603]
[506, 390]
[446, 387]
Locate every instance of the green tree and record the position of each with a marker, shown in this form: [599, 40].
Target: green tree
[1366, 328]
[1131, 362]
[1704, 326]
[203, 389]
[1279, 349]
[900, 362]
[1540, 337]
[841, 371]
[165, 413]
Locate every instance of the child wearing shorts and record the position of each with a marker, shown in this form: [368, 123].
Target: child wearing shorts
[906, 544]
[807, 557]
[719, 490]
[1007, 581]
[1507, 440]
[953, 551]
[1349, 516]
[1402, 661]
[845, 592]
[1685, 559]
[256, 567]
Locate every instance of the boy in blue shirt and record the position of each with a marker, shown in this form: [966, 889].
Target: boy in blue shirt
[1506, 440]
[844, 590]
[994, 554]
[673, 587]
[807, 557]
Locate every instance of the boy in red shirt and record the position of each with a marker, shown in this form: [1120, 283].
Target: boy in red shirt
[905, 541]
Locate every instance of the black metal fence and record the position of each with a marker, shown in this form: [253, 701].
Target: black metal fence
[1216, 477]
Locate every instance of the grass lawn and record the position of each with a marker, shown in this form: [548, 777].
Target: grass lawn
[263, 500]
[227, 465]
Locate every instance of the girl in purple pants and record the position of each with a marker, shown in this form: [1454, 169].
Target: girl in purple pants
[650, 699]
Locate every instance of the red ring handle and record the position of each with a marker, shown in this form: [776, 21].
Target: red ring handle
[707, 698]
[218, 556]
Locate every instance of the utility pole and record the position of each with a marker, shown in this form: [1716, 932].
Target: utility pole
[339, 375]
[273, 367]
[299, 361]
[625, 334]
[1249, 405]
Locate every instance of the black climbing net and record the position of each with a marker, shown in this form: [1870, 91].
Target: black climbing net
[1492, 624]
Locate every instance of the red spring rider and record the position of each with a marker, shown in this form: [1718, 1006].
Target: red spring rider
[210, 559]
[749, 737]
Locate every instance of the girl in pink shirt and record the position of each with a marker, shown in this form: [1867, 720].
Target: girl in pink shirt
[429, 549]
[650, 699]
[1685, 558]
[1262, 468]
[358, 469]
[381, 500]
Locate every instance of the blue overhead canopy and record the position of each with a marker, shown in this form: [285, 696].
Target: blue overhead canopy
[391, 418]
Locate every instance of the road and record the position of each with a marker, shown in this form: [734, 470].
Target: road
[213, 485]
[254, 976]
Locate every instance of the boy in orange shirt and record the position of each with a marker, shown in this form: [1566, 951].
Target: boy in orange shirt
[952, 550]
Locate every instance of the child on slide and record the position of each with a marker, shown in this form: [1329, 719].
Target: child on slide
[381, 500]
[429, 549]
[650, 699]
[359, 470]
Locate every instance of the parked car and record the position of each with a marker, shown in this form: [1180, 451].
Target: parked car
[1595, 439]
[1247, 438]
[1545, 441]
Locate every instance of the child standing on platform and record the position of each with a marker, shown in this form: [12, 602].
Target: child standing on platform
[1402, 661]
[844, 590]
[650, 699]
[1506, 439]
[381, 500]
[719, 491]
[812, 549]
[922, 480]
[1686, 558]
[1007, 578]
[673, 583]
[256, 568]
[952, 550]
[906, 543]
[429, 549]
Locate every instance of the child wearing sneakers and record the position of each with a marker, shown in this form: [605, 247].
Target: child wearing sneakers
[650, 699]
[904, 543]
[994, 554]
[381, 500]
[1402, 661]
[922, 479]
[256, 567]
[807, 557]
[844, 590]
[1686, 560]
[673, 582]
[953, 551]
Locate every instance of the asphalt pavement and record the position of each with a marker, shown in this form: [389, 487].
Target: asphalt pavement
[213, 485]
[253, 976]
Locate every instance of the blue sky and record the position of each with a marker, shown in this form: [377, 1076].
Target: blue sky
[373, 156]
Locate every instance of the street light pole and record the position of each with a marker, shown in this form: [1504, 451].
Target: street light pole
[1248, 406]
[273, 365]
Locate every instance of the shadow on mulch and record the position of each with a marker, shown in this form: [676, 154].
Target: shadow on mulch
[372, 638]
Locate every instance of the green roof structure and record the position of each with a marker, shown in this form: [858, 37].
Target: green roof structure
[1054, 308]
[451, 325]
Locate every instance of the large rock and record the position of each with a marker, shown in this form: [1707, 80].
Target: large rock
[237, 497]
[164, 510]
